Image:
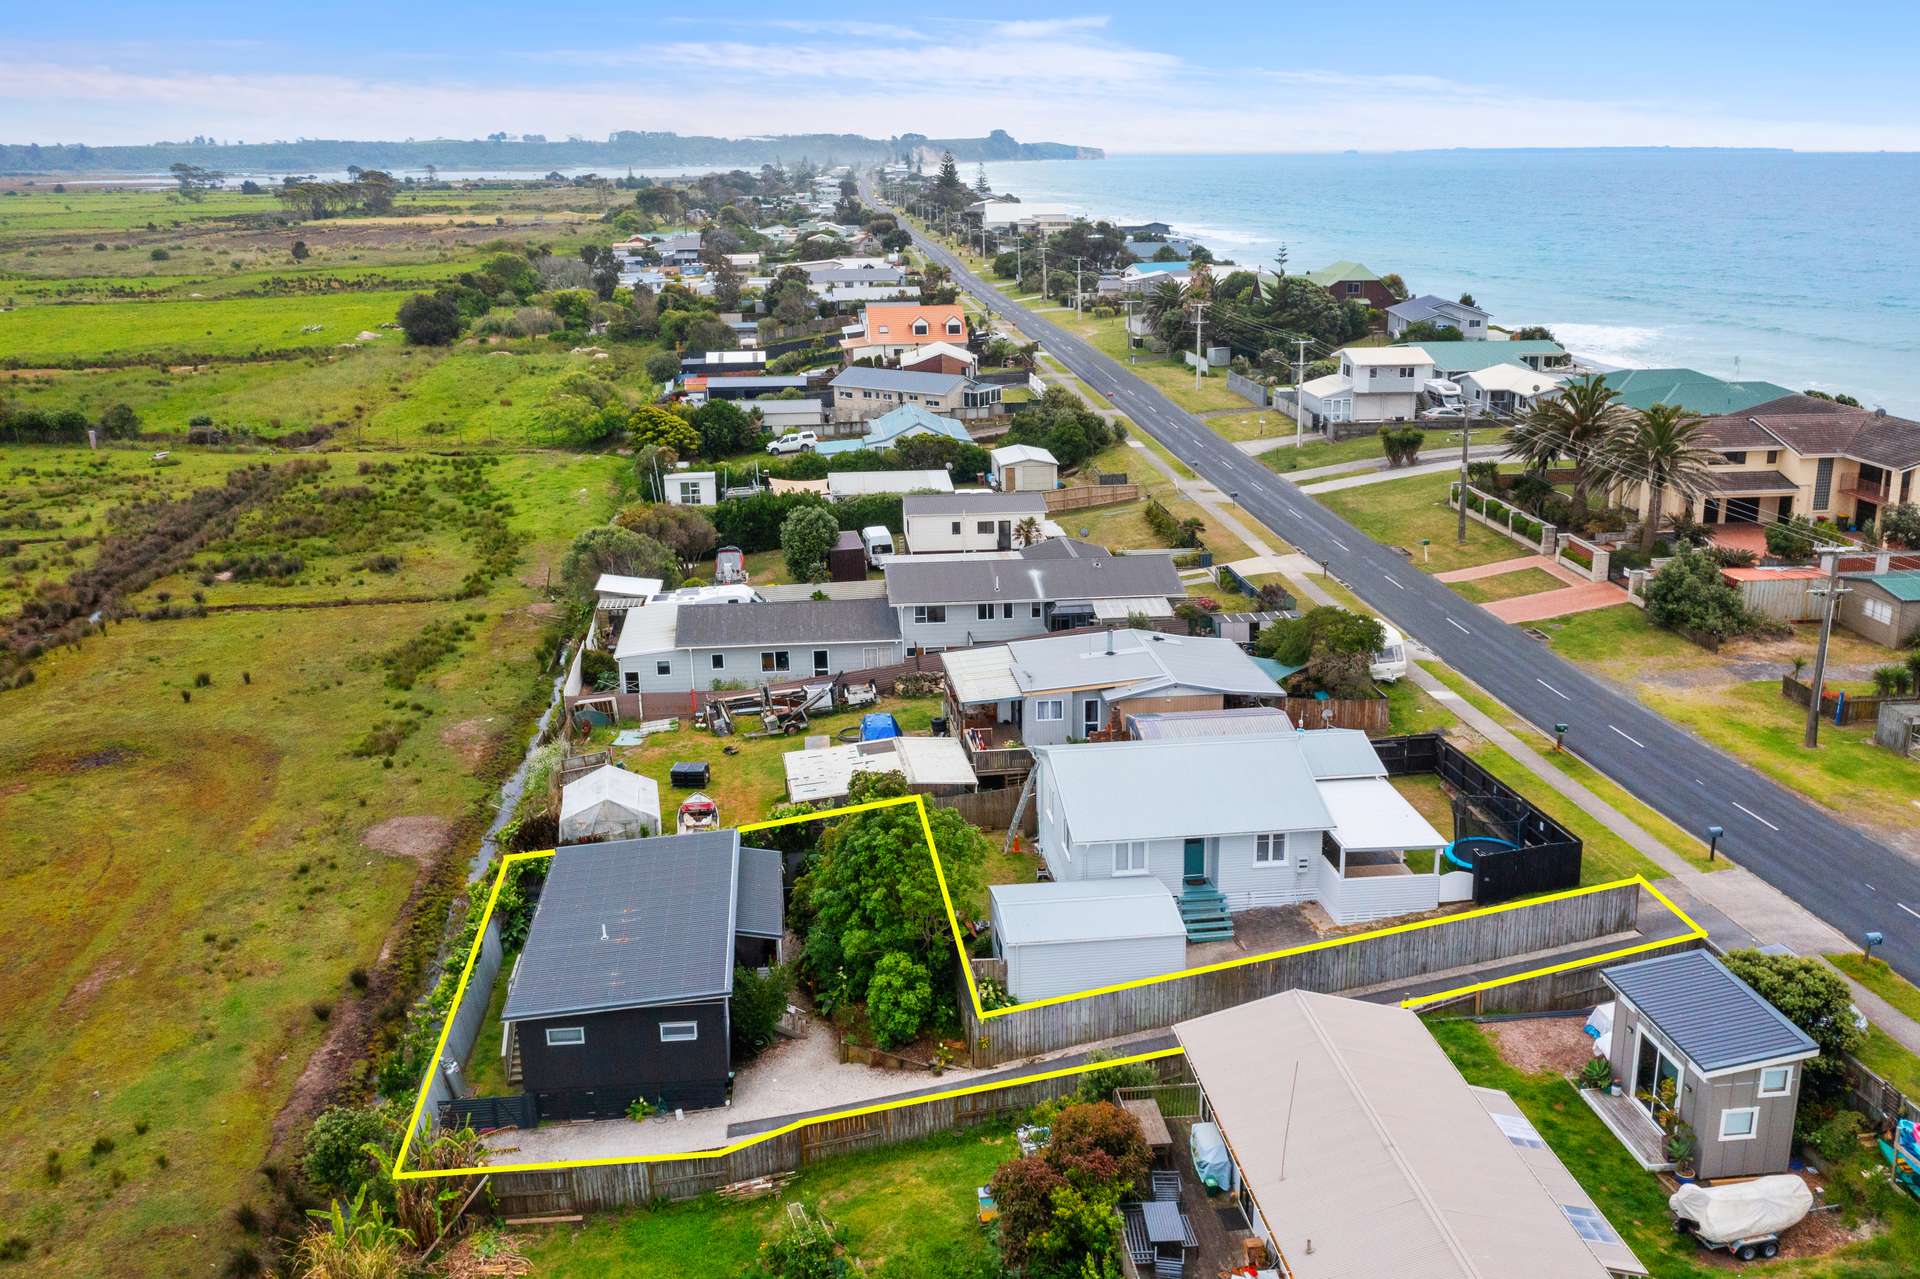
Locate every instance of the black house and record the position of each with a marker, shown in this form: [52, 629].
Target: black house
[622, 989]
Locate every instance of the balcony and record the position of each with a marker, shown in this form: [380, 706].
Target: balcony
[995, 751]
[1879, 492]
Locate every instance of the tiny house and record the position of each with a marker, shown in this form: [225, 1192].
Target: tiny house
[1060, 939]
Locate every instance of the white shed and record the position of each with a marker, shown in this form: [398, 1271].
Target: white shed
[1024, 468]
[1062, 938]
[691, 488]
[609, 803]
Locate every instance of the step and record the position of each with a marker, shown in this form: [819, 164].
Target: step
[1217, 932]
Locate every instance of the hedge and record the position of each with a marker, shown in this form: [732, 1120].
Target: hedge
[753, 523]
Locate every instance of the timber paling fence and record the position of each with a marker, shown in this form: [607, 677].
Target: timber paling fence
[582, 1190]
[1362, 962]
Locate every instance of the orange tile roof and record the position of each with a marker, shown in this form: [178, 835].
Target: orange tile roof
[892, 325]
[1768, 574]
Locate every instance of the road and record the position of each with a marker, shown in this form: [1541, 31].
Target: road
[1841, 874]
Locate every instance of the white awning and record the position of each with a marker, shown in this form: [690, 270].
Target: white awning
[1368, 813]
[981, 675]
[1121, 609]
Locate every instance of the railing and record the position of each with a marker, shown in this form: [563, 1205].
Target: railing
[1502, 516]
[1868, 490]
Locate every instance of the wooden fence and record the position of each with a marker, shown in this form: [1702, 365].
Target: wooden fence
[582, 1190]
[1835, 707]
[1086, 495]
[990, 809]
[1435, 947]
[1368, 714]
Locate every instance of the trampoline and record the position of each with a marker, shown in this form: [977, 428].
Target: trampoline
[1461, 852]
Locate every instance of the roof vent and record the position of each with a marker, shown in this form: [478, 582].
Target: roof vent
[603, 933]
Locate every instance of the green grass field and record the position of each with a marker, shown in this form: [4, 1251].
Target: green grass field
[1401, 512]
[192, 884]
[222, 327]
[1363, 448]
[1527, 581]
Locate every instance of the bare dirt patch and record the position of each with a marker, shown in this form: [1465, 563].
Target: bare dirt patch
[92, 984]
[471, 740]
[419, 837]
[1538, 1044]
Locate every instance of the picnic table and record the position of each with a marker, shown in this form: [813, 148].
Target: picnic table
[1153, 1125]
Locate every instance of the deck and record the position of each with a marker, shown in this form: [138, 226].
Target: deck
[1624, 1118]
[995, 751]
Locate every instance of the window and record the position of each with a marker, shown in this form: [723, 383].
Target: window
[719, 661]
[1737, 456]
[663, 667]
[1353, 288]
[1051, 708]
[983, 612]
[777, 660]
[1036, 610]
[1877, 610]
[1773, 455]
[1589, 1224]
[956, 528]
[1006, 612]
[689, 493]
[1776, 1081]
[566, 1036]
[924, 613]
[679, 1032]
[1269, 850]
[920, 328]
[1130, 857]
[1740, 1124]
[819, 661]
[1406, 372]
[955, 328]
[984, 526]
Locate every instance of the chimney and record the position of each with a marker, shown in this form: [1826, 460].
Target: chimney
[1109, 643]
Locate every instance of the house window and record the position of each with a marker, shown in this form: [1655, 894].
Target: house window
[719, 661]
[1006, 612]
[664, 667]
[956, 528]
[1773, 455]
[1406, 372]
[1353, 288]
[1130, 857]
[633, 681]
[1742, 1123]
[955, 328]
[1877, 611]
[924, 613]
[689, 493]
[1776, 1081]
[1051, 708]
[777, 660]
[679, 1032]
[1036, 610]
[1270, 850]
[920, 328]
[1737, 456]
[819, 661]
[566, 1036]
[984, 526]
[983, 612]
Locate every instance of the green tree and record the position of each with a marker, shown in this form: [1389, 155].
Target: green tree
[1579, 425]
[725, 429]
[341, 1151]
[1659, 447]
[805, 538]
[1428, 331]
[1812, 997]
[608, 549]
[1097, 1144]
[684, 530]
[1688, 594]
[1079, 1239]
[1791, 539]
[1334, 647]
[899, 998]
[120, 422]
[1532, 333]
[511, 273]
[428, 319]
[651, 426]
[1396, 287]
[759, 1002]
[1900, 526]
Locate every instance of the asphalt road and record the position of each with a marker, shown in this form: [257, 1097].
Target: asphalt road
[1841, 874]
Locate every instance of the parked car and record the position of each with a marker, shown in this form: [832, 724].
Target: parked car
[1444, 413]
[794, 442]
[1390, 663]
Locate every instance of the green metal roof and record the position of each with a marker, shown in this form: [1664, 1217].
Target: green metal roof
[1691, 389]
[1471, 357]
[1327, 277]
[1277, 671]
[1903, 585]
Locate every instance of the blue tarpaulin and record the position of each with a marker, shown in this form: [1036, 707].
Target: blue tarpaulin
[878, 727]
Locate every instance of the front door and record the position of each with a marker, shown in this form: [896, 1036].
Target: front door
[1004, 534]
[1194, 866]
[1090, 716]
[1652, 1070]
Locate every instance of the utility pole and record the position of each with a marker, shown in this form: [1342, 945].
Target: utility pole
[1043, 264]
[1199, 355]
[1833, 591]
[1076, 284]
[1299, 404]
[1129, 302]
[1466, 434]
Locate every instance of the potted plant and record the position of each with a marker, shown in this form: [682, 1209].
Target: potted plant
[1597, 1073]
[1681, 1147]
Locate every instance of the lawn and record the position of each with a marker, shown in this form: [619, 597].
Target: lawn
[1527, 581]
[1635, 1202]
[228, 327]
[1125, 526]
[193, 885]
[1401, 512]
[1255, 425]
[906, 1211]
[1363, 448]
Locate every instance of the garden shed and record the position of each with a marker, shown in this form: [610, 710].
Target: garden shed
[1062, 938]
[609, 803]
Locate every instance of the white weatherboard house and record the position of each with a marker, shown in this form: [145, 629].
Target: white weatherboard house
[692, 488]
[1059, 939]
[609, 803]
[1058, 584]
[943, 522]
[1374, 384]
[686, 648]
[1508, 388]
[1232, 823]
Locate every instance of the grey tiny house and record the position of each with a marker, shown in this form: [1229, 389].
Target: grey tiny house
[1732, 1058]
[622, 991]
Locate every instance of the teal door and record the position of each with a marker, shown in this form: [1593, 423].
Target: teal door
[1196, 860]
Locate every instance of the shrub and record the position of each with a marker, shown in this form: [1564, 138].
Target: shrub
[1688, 595]
[805, 538]
[759, 1002]
[1839, 1136]
[1099, 1085]
[1812, 997]
[1790, 539]
[1597, 1073]
[899, 997]
[1098, 1145]
[335, 1158]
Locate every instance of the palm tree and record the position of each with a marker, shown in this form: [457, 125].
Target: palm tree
[1576, 425]
[1167, 298]
[1026, 532]
[1657, 446]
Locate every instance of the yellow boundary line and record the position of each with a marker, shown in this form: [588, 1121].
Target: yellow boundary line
[401, 1173]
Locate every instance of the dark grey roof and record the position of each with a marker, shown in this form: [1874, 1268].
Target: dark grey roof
[973, 504]
[1031, 577]
[791, 622]
[1714, 1018]
[1065, 548]
[629, 924]
[865, 377]
[762, 902]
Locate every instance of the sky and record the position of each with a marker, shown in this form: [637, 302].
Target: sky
[1232, 76]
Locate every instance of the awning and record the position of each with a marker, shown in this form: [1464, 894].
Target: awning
[1120, 609]
[1751, 483]
[1368, 813]
[981, 675]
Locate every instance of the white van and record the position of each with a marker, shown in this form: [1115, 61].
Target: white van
[879, 541]
[1390, 663]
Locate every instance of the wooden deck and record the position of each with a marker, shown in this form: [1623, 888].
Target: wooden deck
[1624, 1118]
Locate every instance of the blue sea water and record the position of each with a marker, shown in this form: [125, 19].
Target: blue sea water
[1800, 269]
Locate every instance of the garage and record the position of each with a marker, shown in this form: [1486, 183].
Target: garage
[1063, 938]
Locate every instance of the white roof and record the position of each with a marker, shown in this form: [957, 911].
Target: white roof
[1368, 813]
[1351, 1128]
[1331, 384]
[924, 761]
[1185, 787]
[1009, 454]
[647, 630]
[1517, 378]
[1362, 356]
[981, 674]
[628, 587]
[606, 799]
[1121, 609]
[1085, 910]
[1138, 661]
[848, 483]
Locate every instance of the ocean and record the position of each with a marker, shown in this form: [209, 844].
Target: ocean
[1799, 269]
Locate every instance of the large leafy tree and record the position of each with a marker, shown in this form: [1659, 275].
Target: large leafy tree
[805, 538]
[684, 530]
[654, 427]
[1659, 447]
[725, 428]
[1577, 425]
[1812, 997]
[428, 319]
[610, 549]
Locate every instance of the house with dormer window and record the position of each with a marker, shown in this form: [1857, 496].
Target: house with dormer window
[891, 331]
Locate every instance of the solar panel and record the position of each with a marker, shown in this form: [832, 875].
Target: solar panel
[1519, 1131]
[1589, 1224]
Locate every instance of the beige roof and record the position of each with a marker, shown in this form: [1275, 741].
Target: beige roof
[981, 674]
[1352, 1129]
[1602, 1240]
[1516, 378]
[924, 761]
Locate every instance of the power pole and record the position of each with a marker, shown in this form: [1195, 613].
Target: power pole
[1076, 284]
[1466, 434]
[1199, 356]
[1299, 404]
[1129, 302]
[1833, 591]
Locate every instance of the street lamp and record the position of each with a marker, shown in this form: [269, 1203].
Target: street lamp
[1559, 736]
[1713, 840]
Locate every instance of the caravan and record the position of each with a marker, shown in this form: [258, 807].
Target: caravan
[1390, 663]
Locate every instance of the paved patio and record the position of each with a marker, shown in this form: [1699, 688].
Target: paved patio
[1500, 568]
[1574, 599]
